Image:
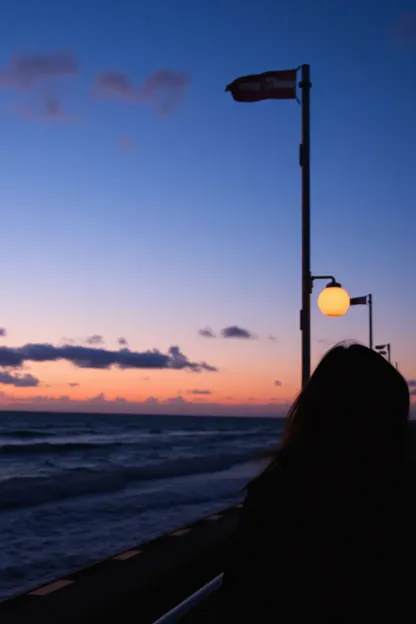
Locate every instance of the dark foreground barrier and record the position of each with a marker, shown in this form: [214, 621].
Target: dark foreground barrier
[197, 607]
[140, 585]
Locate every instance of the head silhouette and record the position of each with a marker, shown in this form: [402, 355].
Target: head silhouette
[355, 405]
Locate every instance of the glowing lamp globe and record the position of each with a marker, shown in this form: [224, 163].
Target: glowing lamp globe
[334, 300]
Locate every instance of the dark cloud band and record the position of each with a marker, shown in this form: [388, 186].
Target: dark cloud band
[87, 357]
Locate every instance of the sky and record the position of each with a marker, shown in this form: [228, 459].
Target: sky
[151, 225]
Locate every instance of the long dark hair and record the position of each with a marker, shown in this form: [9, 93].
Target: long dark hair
[355, 406]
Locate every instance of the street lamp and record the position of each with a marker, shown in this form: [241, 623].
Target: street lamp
[333, 299]
[385, 350]
[366, 300]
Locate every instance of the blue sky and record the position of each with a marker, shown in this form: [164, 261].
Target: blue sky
[199, 222]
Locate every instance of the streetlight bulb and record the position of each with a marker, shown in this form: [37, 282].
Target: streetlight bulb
[334, 300]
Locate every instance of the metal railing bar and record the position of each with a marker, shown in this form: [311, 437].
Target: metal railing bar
[178, 612]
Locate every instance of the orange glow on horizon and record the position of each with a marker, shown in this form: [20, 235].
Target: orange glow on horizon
[251, 384]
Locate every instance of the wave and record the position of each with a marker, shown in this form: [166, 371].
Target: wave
[55, 447]
[26, 434]
[21, 492]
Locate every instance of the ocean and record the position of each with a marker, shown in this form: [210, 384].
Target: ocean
[77, 488]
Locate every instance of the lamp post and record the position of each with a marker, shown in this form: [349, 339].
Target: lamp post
[385, 350]
[281, 85]
[366, 300]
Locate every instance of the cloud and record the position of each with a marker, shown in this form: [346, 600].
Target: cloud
[151, 401]
[272, 338]
[178, 400]
[413, 392]
[197, 391]
[28, 70]
[278, 383]
[125, 142]
[19, 381]
[233, 331]
[411, 383]
[405, 29]
[176, 405]
[114, 84]
[67, 341]
[206, 333]
[54, 110]
[122, 342]
[95, 339]
[179, 361]
[88, 357]
[163, 88]
[73, 384]
[51, 110]
[3, 331]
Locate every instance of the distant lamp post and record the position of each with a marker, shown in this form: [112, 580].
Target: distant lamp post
[366, 300]
[333, 299]
[385, 350]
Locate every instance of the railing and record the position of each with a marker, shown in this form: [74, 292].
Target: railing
[178, 612]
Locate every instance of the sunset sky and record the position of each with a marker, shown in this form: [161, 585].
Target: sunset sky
[141, 204]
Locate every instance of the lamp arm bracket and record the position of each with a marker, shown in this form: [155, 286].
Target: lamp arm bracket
[323, 277]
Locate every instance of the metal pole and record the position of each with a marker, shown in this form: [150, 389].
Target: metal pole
[370, 319]
[305, 315]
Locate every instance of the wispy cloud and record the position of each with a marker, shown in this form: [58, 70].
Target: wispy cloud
[122, 342]
[278, 383]
[3, 331]
[43, 71]
[95, 339]
[233, 331]
[54, 110]
[411, 383]
[272, 338]
[73, 384]
[197, 391]
[206, 333]
[163, 88]
[29, 69]
[19, 381]
[51, 109]
[114, 84]
[88, 357]
[65, 340]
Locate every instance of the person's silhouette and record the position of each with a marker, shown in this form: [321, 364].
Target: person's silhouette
[326, 532]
